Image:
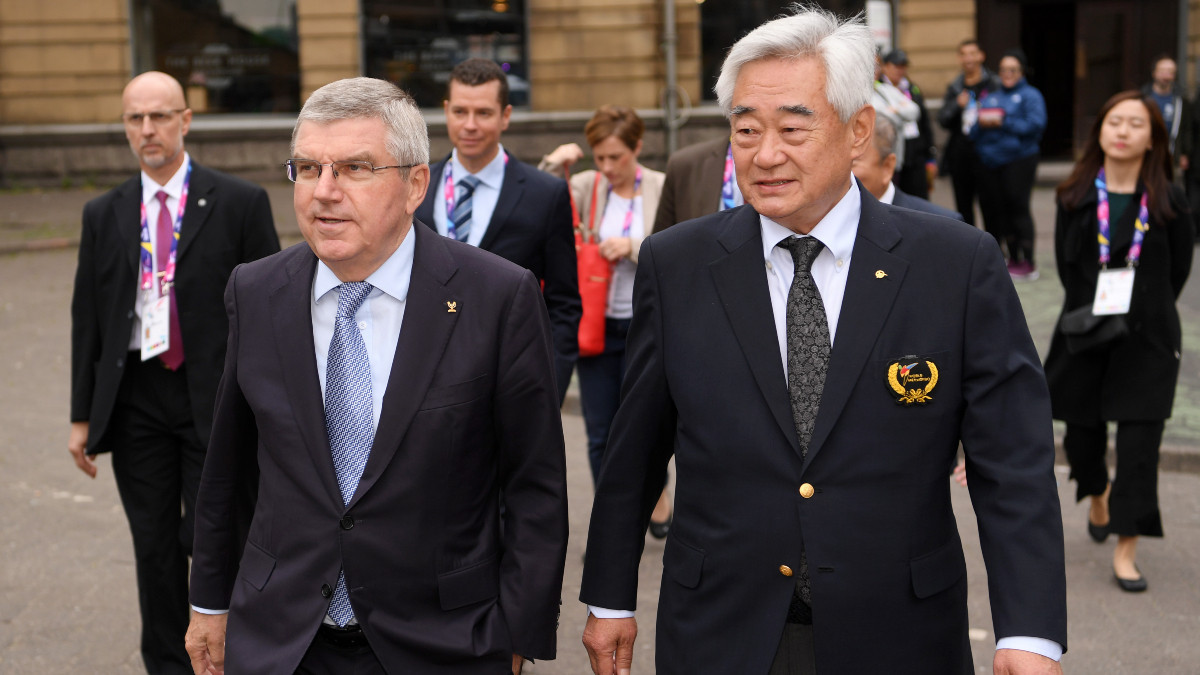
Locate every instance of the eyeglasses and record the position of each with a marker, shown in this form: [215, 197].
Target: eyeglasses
[355, 171]
[156, 117]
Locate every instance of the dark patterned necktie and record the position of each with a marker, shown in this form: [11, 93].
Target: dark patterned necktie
[807, 363]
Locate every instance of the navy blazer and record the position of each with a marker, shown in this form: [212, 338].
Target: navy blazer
[227, 222]
[532, 227]
[453, 544]
[705, 383]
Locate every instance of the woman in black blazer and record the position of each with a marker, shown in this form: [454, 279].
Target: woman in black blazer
[1120, 368]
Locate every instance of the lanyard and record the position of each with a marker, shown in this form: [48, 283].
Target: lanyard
[448, 195]
[637, 184]
[147, 257]
[1102, 216]
[727, 199]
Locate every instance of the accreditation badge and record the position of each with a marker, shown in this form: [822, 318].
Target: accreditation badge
[156, 325]
[1114, 291]
[912, 378]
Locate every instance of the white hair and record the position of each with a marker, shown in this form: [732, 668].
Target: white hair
[844, 47]
[364, 97]
[885, 137]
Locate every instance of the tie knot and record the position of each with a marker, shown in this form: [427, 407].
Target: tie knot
[469, 183]
[804, 250]
[351, 296]
[161, 196]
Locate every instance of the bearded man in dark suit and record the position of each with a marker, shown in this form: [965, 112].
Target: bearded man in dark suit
[162, 245]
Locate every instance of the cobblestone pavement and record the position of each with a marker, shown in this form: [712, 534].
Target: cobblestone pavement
[67, 592]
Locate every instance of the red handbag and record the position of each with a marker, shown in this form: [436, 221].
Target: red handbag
[594, 274]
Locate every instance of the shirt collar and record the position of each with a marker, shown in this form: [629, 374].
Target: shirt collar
[174, 186]
[889, 195]
[836, 230]
[491, 175]
[392, 277]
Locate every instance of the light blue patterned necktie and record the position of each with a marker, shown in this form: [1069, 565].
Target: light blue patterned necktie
[462, 206]
[349, 412]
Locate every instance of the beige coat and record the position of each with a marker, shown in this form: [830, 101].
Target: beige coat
[581, 191]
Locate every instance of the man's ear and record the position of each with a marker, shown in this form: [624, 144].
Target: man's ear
[862, 126]
[889, 167]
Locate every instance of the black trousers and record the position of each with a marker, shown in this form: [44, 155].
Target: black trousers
[795, 655]
[911, 177]
[1004, 193]
[1133, 502]
[964, 168]
[157, 459]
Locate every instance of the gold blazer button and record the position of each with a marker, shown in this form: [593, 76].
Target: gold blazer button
[807, 491]
[785, 570]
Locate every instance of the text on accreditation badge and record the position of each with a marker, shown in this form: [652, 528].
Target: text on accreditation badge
[1114, 291]
[156, 326]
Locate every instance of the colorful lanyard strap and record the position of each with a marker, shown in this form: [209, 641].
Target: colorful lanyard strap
[1102, 217]
[637, 184]
[147, 257]
[728, 201]
[448, 195]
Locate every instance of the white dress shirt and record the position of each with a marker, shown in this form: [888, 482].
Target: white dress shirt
[379, 319]
[837, 231]
[174, 190]
[483, 203]
[889, 195]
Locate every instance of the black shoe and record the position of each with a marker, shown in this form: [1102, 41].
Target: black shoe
[659, 530]
[1098, 533]
[1132, 585]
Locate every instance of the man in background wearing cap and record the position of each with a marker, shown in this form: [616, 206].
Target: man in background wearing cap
[913, 176]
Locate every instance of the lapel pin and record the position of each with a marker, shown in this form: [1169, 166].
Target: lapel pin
[451, 307]
[202, 202]
[879, 274]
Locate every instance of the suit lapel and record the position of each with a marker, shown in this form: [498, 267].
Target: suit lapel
[127, 217]
[865, 308]
[742, 287]
[291, 311]
[510, 194]
[200, 201]
[423, 339]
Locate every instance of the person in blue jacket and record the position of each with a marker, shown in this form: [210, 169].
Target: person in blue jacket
[1007, 137]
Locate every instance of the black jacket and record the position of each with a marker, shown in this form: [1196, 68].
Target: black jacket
[1131, 378]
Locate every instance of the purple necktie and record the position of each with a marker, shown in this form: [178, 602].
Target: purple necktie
[173, 357]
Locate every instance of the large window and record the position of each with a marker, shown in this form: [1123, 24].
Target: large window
[416, 44]
[234, 56]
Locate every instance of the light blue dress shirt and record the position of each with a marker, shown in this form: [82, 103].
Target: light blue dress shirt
[483, 203]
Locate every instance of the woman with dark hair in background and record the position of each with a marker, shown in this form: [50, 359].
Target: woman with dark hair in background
[1118, 217]
[1007, 135]
[618, 201]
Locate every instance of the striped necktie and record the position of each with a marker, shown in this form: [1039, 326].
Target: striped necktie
[463, 206]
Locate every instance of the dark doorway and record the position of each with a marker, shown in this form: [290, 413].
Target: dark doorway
[1080, 53]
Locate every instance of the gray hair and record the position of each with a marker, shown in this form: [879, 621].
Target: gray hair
[365, 97]
[885, 137]
[844, 47]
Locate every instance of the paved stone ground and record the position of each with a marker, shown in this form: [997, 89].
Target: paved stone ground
[67, 594]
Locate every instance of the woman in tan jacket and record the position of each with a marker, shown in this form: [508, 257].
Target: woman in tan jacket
[616, 201]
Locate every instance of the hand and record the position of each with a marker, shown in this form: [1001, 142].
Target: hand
[517, 663]
[77, 444]
[1019, 662]
[1183, 162]
[964, 97]
[960, 473]
[991, 122]
[931, 175]
[205, 643]
[609, 644]
[615, 248]
[565, 155]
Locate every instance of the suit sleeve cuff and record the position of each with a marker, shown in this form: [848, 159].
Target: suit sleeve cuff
[602, 613]
[1047, 648]
[201, 610]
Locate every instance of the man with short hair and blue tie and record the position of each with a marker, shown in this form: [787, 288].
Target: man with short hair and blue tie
[394, 392]
[484, 196]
